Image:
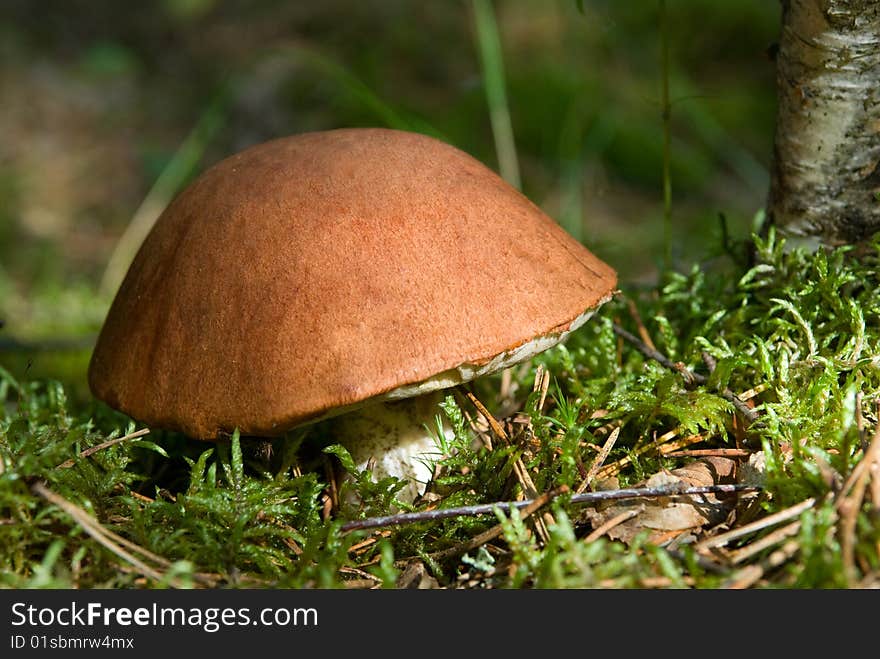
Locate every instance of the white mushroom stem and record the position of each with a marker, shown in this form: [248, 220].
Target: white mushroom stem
[395, 435]
[395, 438]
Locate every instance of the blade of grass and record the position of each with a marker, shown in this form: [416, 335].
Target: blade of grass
[492, 64]
[362, 93]
[697, 114]
[667, 151]
[169, 181]
[94, 528]
[191, 150]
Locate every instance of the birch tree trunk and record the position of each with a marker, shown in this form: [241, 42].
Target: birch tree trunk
[825, 180]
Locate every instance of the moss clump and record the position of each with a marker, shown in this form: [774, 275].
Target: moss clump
[795, 334]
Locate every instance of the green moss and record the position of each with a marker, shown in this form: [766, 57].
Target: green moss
[800, 327]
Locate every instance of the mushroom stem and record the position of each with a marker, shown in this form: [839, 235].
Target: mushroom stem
[394, 438]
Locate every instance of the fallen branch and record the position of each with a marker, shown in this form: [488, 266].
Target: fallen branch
[486, 536]
[710, 452]
[586, 497]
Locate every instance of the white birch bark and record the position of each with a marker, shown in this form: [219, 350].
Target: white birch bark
[825, 180]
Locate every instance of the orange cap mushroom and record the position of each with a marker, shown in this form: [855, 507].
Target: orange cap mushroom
[318, 273]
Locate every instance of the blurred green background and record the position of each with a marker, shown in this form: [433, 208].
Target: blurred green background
[107, 103]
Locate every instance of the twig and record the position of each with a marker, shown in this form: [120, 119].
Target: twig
[690, 376]
[354, 549]
[484, 437]
[615, 467]
[748, 575]
[859, 471]
[763, 543]
[585, 497]
[637, 319]
[345, 569]
[860, 424]
[704, 562]
[653, 353]
[141, 497]
[497, 428]
[684, 441]
[611, 523]
[782, 516]
[67, 464]
[519, 467]
[543, 385]
[649, 582]
[709, 453]
[748, 394]
[709, 361]
[498, 529]
[849, 506]
[362, 584]
[599, 461]
[93, 528]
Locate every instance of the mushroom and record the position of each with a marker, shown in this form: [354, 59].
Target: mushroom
[350, 273]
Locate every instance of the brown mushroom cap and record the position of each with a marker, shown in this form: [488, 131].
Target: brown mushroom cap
[322, 270]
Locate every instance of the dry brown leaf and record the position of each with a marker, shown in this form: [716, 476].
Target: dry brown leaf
[415, 576]
[753, 472]
[662, 515]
